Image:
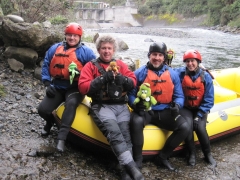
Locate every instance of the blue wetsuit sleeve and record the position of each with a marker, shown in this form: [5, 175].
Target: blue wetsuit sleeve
[178, 96]
[46, 62]
[208, 98]
[85, 54]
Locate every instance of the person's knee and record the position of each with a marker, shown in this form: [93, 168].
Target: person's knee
[184, 127]
[124, 127]
[72, 102]
[44, 112]
[115, 137]
[137, 122]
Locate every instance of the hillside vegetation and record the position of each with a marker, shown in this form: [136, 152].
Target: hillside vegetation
[219, 12]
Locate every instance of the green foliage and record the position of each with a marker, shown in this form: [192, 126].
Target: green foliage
[214, 11]
[151, 17]
[36, 10]
[87, 38]
[170, 18]
[144, 10]
[235, 23]
[154, 5]
[2, 91]
[7, 7]
[230, 12]
[59, 20]
[223, 12]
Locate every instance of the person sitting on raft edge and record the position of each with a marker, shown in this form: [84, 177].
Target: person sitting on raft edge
[60, 73]
[166, 89]
[198, 90]
[108, 91]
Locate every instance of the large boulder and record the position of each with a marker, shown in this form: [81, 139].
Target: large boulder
[34, 36]
[26, 56]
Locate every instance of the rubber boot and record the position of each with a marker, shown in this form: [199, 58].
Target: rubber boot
[162, 160]
[124, 174]
[46, 129]
[192, 159]
[210, 159]
[61, 145]
[133, 171]
[137, 155]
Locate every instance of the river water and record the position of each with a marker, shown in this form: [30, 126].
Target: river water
[218, 49]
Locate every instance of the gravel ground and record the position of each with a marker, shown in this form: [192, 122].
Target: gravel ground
[24, 154]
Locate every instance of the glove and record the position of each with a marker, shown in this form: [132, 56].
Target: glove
[50, 91]
[196, 122]
[120, 79]
[96, 85]
[174, 109]
[139, 108]
[46, 83]
[108, 76]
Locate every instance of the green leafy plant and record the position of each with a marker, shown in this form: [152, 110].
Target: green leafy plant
[87, 38]
[2, 91]
[59, 20]
[170, 18]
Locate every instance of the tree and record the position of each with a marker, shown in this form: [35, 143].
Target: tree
[36, 10]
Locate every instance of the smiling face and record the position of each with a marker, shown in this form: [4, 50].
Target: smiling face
[191, 64]
[72, 39]
[106, 51]
[156, 59]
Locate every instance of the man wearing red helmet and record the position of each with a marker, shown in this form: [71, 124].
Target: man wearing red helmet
[199, 99]
[62, 65]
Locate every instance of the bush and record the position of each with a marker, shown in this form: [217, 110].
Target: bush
[144, 10]
[235, 23]
[2, 90]
[171, 18]
[58, 20]
[87, 38]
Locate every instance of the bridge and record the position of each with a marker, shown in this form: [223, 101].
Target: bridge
[101, 12]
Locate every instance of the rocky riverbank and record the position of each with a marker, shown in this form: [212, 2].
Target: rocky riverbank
[25, 155]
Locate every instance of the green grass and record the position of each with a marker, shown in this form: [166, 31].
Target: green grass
[2, 91]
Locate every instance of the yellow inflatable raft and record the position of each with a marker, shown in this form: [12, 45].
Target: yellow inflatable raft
[223, 120]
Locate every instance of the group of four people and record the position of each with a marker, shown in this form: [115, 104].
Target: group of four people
[184, 98]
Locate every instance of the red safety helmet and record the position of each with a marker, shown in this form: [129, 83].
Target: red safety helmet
[73, 28]
[192, 54]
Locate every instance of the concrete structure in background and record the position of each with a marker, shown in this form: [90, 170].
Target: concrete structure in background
[98, 14]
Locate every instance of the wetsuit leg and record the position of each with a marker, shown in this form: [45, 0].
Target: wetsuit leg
[180, 131]
[73, 98]
[203, 136]
[204, 140]
[189, 141]
[137, 124]
[46, 108]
